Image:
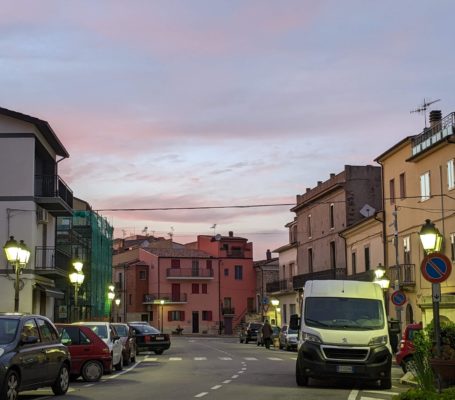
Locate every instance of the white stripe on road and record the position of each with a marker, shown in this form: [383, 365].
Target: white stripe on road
[353, 394]
[227, 381]
[225, 358]
[216, 387]
[200, 358]
[251, 358]
[175, 358]
[202, 394]
[148, 359]
[382, 392]
[275, 359]
[234, 376]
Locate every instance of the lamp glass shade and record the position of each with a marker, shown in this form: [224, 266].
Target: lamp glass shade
[111, 287]
[74, 277]
[11, 249]
[117, 302]
[161, 302]
[77, 264]
[110, 295]
[80, 278]
[384, 283]
[429, 236]
[275, 302]
[379, 272]
[24, 253]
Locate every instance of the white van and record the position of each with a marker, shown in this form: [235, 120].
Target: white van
[343, 333]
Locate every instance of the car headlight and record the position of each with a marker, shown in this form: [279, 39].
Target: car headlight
[308, 337]
[378, 340]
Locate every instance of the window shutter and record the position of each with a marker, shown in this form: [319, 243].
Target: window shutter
[209, 316]
[182, 316]
[169, 315]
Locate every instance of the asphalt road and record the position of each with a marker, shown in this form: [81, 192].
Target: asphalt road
[215, 369]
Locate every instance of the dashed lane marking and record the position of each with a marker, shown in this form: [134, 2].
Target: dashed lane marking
[175, 358]
[202, 394]
[251, 358]
[200, 358]
[275, 359]
[216, 387]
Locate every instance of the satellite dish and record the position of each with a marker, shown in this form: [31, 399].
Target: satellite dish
[218, 237]
[367, 211]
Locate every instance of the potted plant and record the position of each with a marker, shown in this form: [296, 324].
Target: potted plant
[444, 364]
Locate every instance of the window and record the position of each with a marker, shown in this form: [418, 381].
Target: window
[48, 333]
[451, 174]
[206, 315]
[30, 329]
[392, 191]
[309, 225]
[142, 275]
[130, 299]
[175, 263]
[452, 245]
[354, 262]
[238, 272]
[402, 186]
[310, 260]
[291, 309]
[332, 217]
[209, 264]
[367, 258]
[195, 267]
[176, 315]
[204, 288]
[250, 304]
[333, 261]
[425, 186]
[195, 288]
[407, 250]
[226, 272]
[285, 314]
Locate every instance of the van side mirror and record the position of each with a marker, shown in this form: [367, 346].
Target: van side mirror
[294, 322]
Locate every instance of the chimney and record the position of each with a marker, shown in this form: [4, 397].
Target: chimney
[268, 254]
[231, 234]
[319, 183]
[308, 189]
[332, 175]
[435, 117]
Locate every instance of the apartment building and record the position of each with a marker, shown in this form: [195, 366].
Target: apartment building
[267, 272]
[419, 184]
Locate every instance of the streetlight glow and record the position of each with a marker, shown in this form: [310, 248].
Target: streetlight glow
[430, 237]
[77, 279]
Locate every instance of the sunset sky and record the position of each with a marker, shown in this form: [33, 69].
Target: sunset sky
[219, 103]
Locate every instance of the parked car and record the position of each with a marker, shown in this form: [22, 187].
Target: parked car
[107, 332]
[288, 338]
[128, 340]
[31, 355]
[406, 346]
[90, 356]
[275, 335]
[249, 333]
[149, 338]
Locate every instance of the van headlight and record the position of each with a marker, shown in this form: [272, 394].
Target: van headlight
[308, 337]
[378, 340]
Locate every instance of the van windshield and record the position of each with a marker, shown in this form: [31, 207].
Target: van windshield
[344, 313]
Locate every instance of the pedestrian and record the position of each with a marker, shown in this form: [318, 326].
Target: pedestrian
[267, 333]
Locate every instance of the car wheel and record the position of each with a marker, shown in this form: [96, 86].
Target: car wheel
[133, 356]
[300, 377]
[10, 386]
[119, 366]
[386, 383]
[158, 352]
[92, 371]
[62, 382]
[406, 363]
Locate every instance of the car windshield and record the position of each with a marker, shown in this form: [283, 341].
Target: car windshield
[122, 330]
[8, 328]
[255, 326]
[344, 313]
[292, 331]
[100, 330]
[142, 328]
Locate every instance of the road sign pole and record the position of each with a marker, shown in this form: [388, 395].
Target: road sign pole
[436, 295]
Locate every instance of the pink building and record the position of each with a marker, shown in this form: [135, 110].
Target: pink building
[207, 286]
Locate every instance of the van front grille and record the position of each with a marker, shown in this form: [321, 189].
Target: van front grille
[345, 353]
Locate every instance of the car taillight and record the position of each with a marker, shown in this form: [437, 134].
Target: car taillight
[401, 345]
[105, 350]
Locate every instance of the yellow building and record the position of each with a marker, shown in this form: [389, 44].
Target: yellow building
[419, 184]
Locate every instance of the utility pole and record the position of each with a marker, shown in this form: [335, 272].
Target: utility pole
[397, 262]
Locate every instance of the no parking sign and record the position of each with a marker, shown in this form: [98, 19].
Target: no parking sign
[436, 267]
[398, 298]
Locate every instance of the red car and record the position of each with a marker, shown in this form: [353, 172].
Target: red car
[406, 346]
[90, 356]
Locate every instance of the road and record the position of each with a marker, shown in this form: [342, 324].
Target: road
[215, 369]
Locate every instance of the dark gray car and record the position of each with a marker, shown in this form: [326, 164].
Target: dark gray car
[31, 355]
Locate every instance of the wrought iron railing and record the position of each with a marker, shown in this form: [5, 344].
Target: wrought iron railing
[333, 273]
[403, 273]
[167, 297]
[53, 186]
[189, 273]
[228, 310]
[281, 285]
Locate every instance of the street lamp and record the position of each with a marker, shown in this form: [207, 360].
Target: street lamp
[381, 278]
[275, 303]
[117, 303]
[111, 297]
[17, 254]
[162, 306]
[431, 242]
[77, 279]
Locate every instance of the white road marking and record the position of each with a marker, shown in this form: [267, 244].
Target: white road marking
[244, 368]
[225, 358]
[122, 372]
[200, 358]
[353, 394]
[240, 372]
[251, 358]
[175, 358]
[227, 381]
[202, 394]
[216, 387]
[382, 392]
[148, 359]
[368, 398]
[275, 359]
[234, 376]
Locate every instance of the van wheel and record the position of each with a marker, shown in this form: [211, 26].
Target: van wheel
[386, 383]
[300, 377]
[92, 371]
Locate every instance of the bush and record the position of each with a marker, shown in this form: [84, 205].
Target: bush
[419, 394]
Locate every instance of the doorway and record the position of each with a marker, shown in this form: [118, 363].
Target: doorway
[195, 321]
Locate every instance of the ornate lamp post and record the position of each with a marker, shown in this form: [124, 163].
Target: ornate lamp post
[111, 297]
[77, 279]
[117, 303]
[17, 254]
[275, 303]
[162, 306]
[381, 278]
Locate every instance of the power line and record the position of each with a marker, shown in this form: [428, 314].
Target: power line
[196, 208]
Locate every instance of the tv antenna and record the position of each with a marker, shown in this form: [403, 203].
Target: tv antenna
[213, 227]
[171, 233]
[423, 108]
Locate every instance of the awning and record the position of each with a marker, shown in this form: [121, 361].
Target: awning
[50, 291]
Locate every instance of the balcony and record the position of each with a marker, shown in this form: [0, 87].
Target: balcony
[169, 298]
[189, 273]
[333, 273]
[53, 194]
[51, 263]
[403, 273]
[228, 311]
[283, 285]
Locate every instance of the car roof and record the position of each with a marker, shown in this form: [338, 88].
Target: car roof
[91, 323]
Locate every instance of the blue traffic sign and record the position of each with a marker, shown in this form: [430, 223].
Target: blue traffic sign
[398, 298]
[436, 267]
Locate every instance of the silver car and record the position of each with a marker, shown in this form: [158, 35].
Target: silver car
[288, 338]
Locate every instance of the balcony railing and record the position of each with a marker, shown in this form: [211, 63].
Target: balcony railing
[333, 273]
[189, 273]
[49, 262]
[155, 298]
[403, 273]
[282, 285]
[52, 186]
[228, 311]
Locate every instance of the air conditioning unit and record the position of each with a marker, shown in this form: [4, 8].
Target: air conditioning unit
[42, 216]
